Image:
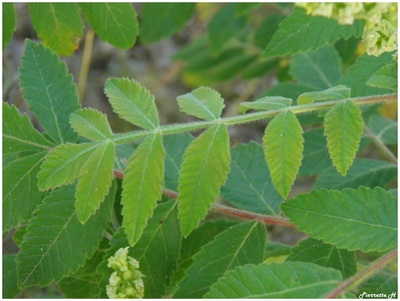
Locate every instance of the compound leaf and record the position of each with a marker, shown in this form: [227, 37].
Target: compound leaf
[94, 181]
[283, 148]
[279, 281]
[59, 25]
[204, 103]
[91, 124]
[265, 103]
[362, 219]
[160, 20]
[115, 23]
[315, 251]
[20, 192]
[132, 102]
[63, 164]
[249, 184]
[300, 32]
[19, 134]
[49, 90]
[56, 243]
[343, 128]
[142, 185]
[8, 22]
[366, 172]
[238, 245]
[204, 170]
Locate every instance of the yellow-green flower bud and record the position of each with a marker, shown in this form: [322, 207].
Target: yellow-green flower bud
[126, 280]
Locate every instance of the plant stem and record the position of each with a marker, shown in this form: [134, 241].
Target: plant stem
[364, 274]
[380, 145]
[83, 73]
[266, 219]
[246, 118]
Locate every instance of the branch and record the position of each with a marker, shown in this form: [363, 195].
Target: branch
[170, 129]
[364, 274]
[266, 219]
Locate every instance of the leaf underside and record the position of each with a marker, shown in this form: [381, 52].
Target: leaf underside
[343, 128]
[132, 102]
[362, 219]
[142, 185]
[204, 170]
[283, 150]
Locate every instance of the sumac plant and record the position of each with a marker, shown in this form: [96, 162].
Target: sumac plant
[180, 210]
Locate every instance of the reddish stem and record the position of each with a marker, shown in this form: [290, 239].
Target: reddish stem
[270, 220]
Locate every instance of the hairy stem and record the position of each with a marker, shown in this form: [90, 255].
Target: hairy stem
[380, 145]
[363, 275]
[246, 118]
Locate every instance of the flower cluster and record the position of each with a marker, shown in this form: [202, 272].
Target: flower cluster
[126, 280]
[380, 30]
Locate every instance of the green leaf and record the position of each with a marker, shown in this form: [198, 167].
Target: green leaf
[249, 184]
[56, 243]
[91, 124]
[204, 103]
[290, 280]
[385, 78]
[49, 90]
[132, 102]
[384, 283]
[160, 20]
[266, 30]
[385, 129]
[316, 156]
[366, 172]
[343, 129]
[241, 244]
[175, 146]
[63, 165]
[283, 148]
[115, 23]
[19, 135]
[334, 93]
[86, 282]
[142, 185]
[362, 219]
[20, 192]
[245, 8]
[158, 249]
[193, 243]
[10, 288]
[315, 251]
[204, 170]
[265, 103]
[224, 26]
[8, 22]
[300, 32]
[58, 25]
[94, 181]
[318, 70]
[358, 74]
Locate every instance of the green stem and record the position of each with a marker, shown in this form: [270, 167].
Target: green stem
[380, 145]
[246, 118]
[363, 275]
[83, 73]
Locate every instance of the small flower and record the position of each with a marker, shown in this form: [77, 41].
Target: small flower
[126, 280]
